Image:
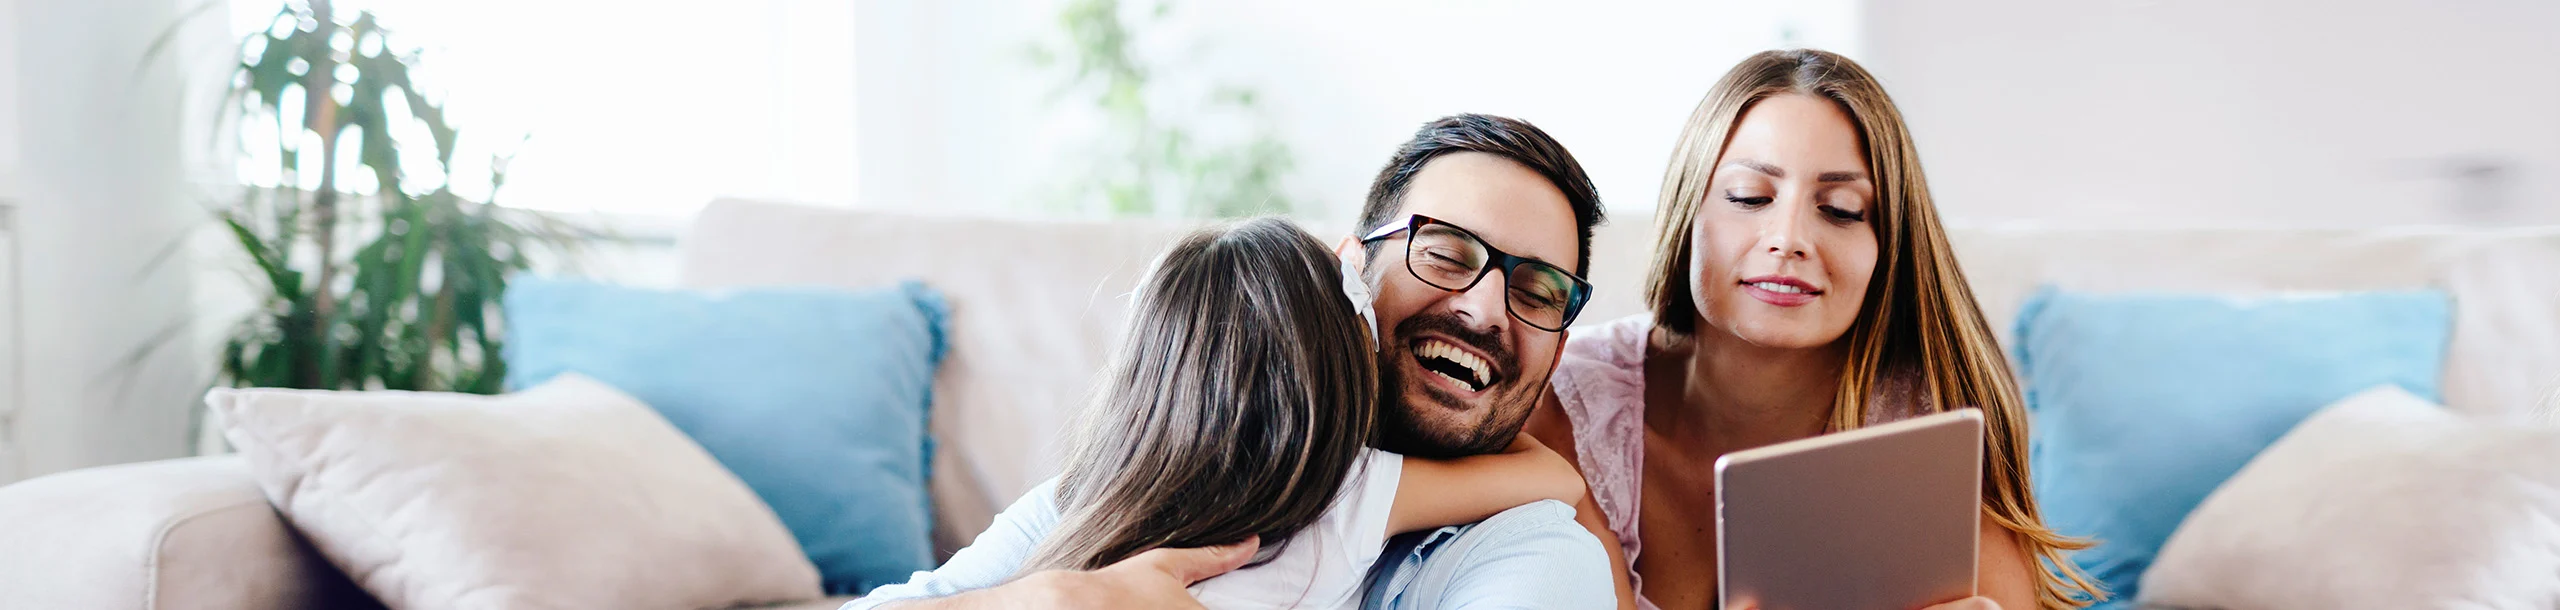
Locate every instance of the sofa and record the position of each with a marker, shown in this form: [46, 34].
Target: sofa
[1036, 305]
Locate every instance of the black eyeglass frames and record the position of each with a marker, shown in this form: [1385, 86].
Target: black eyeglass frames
[1449, 257]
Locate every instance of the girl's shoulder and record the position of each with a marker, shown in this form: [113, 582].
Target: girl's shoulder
[1361, 507]
[1325, 564]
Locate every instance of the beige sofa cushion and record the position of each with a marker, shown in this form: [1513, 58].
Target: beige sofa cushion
[567, 495]
[169, 535]
[2381, 500]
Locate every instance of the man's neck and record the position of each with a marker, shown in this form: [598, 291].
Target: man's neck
[1735, 395]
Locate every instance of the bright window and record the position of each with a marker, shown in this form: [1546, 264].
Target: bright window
[650, 109]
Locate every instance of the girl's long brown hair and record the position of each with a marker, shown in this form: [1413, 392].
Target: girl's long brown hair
[1238, 407]
[1920, 338]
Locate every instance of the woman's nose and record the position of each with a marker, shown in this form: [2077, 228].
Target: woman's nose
[1782, 235]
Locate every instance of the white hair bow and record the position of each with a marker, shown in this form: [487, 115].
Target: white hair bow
[1357, 289]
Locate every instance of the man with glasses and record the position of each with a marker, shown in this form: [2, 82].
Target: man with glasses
[1474, 238]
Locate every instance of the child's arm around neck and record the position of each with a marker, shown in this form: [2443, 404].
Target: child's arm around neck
[1439, 493]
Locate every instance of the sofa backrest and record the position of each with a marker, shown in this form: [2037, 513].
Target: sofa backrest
[1036, 306]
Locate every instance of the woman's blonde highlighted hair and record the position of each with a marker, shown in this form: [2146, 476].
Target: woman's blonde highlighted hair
[1920, 338]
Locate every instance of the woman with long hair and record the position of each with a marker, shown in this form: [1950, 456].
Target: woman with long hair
[1801, 284]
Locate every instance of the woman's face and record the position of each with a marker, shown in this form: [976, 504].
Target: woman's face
[1782, 246]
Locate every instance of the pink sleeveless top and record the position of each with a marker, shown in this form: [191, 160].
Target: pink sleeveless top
[1600, 382]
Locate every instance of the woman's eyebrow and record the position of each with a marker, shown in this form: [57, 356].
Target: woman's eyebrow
[1772, 170]
[1778, 172]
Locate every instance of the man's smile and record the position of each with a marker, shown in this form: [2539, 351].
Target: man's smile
[1454, 363]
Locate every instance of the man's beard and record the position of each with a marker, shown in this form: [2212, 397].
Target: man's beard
[1430, 430]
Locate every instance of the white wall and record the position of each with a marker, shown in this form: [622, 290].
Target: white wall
[952, 115]
[97, 166]
[2263, 112]
[8, 101]
[2146, 112]
[11, 388]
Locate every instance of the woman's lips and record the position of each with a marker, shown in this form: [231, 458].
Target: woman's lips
[1781, 291]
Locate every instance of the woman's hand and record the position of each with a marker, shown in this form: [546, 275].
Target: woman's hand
[1969, 603]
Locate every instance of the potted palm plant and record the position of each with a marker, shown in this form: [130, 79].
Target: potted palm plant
[395, 286]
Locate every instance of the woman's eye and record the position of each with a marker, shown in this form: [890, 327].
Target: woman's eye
[1845, 215]
[1748, 202]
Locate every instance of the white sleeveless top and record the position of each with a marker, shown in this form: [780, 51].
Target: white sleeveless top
[1326, 564]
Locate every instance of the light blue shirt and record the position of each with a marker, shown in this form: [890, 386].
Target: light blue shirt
[1533, 556]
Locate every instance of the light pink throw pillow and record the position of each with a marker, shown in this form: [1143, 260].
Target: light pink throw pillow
[567, 495]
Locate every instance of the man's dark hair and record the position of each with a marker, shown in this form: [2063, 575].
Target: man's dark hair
[1508, 138]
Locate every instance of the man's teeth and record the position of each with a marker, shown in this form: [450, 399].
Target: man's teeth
[1778, 288]
[1443, 350]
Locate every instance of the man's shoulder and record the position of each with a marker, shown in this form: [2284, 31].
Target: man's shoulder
[1534, 516]
[1543, 523]
[1531, 556]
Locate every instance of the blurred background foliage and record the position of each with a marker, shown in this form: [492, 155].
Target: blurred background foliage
[1150, 156]
[373, 273]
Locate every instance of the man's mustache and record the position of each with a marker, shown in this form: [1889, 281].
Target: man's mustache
[1504, 362]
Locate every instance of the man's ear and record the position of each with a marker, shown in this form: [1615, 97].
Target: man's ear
[1349, 250]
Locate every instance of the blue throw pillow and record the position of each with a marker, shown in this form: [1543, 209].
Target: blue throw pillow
[2143, 404]
[815, 397]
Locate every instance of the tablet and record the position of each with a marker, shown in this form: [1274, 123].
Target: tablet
[1878, 517]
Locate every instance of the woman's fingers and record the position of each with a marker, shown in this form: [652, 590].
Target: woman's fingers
[1969, 603]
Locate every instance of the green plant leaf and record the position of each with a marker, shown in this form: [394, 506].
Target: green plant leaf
[281, 280]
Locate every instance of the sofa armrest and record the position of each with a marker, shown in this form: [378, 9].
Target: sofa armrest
[188, 533]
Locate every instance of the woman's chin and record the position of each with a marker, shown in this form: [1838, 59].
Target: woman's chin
[1786, 336]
